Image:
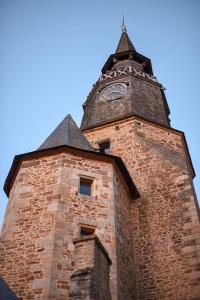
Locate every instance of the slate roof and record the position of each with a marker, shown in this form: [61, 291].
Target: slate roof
[66, 133]
[124, 44]
[5, 291]
[125, 50]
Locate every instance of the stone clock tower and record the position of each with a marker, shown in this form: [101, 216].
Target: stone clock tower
[127, 111]
[107, 211]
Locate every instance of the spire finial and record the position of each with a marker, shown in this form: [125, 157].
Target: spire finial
[123, 27]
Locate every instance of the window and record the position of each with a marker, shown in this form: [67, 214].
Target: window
[85, 186]
[86, 230]
[104, 147]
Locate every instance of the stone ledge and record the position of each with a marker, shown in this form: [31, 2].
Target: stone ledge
[81, 272]
[97, 240]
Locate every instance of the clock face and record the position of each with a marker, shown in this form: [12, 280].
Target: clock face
[113, 91]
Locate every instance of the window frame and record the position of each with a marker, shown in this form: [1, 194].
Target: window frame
[88, 180]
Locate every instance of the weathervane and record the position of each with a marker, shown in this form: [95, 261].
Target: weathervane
[123, 27]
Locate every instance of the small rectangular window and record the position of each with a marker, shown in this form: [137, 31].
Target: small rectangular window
[85, 186]
[104, 147]
[86, 230]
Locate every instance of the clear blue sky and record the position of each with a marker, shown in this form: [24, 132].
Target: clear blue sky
[52, 51]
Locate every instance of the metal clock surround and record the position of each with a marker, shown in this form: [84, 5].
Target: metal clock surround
[113, 91]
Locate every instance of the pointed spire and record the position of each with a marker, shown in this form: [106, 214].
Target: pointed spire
[67, 133]
[123, 27]
[125, 43]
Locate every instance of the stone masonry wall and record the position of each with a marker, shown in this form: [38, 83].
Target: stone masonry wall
[100, 289]
[165, 224]
[74, 209]
[124, 243]
[27, 239]
[90, 278]
[43, 217]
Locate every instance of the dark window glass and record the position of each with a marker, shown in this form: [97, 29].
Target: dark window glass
[104, 147]
[85, 186]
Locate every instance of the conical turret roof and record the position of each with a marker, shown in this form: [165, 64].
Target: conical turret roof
[125, 43]
[66, 133]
